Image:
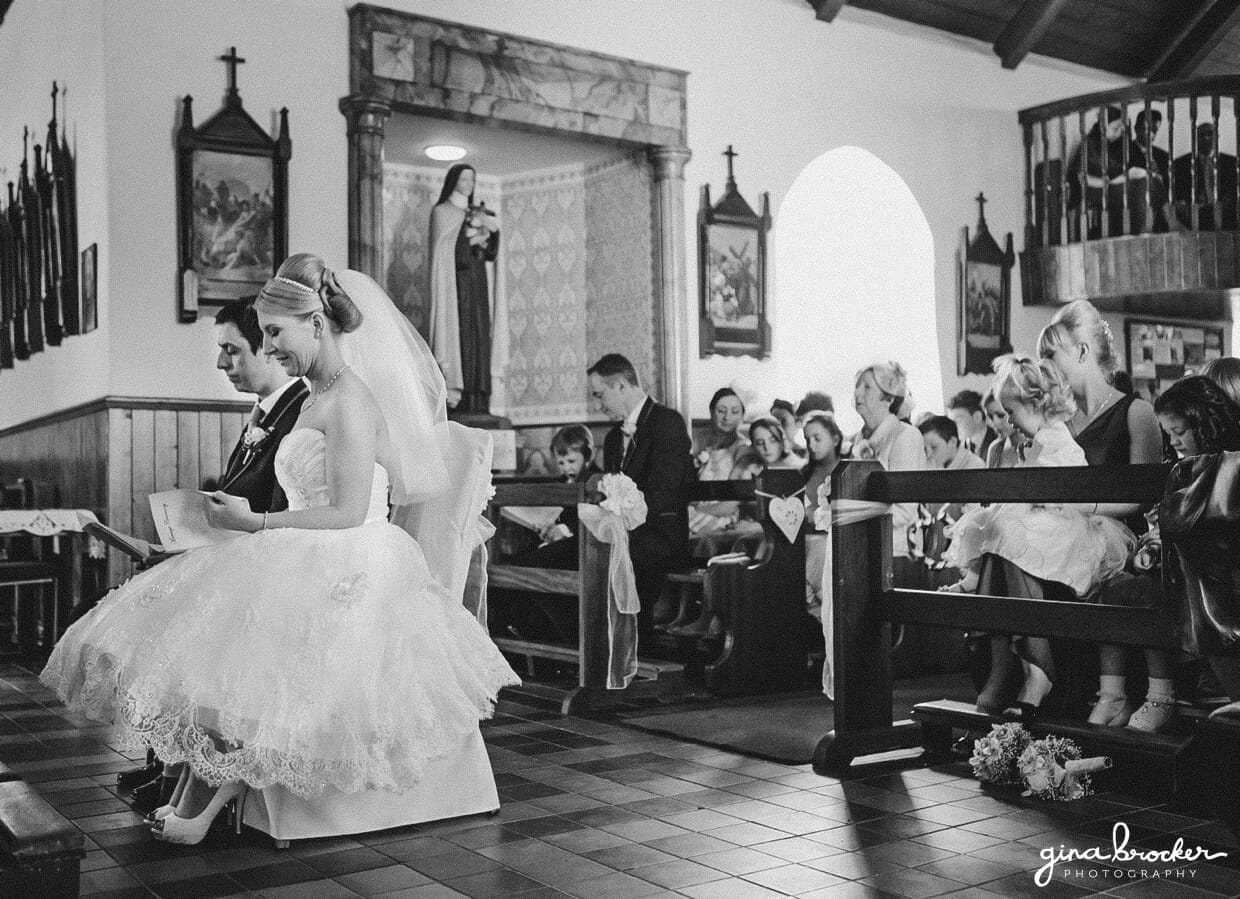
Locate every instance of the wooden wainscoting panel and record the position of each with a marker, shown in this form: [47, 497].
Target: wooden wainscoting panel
[189, 475]
[110, 454]
[210, 463]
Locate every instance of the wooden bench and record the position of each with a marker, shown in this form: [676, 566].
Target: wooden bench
[40, 851]
[765, 637]
[866, 605]
[588, 583]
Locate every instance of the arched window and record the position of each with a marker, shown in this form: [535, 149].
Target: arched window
[854, 277]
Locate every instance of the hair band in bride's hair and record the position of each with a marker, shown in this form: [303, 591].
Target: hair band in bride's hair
[284, 296]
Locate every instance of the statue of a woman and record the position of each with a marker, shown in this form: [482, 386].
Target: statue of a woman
[464, 238]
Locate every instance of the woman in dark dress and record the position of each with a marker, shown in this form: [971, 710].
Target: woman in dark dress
[1112, 428]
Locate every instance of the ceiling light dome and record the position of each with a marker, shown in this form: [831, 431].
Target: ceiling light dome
[445, 152]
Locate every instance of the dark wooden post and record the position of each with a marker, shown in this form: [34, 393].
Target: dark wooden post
[1046, 187]
[1063, 180]
[1104, 152]
[1195, 221]
[861, 576]
[1030, 229]
[1082, 214]
[1125, 217]
[1216, 201]
[1171, 152]
[1150, 169]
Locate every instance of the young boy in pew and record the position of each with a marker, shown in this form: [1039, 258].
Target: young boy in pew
[573, 448]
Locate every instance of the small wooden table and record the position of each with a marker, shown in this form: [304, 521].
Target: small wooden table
[55, 524]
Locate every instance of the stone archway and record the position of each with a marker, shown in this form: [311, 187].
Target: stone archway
[409, 63]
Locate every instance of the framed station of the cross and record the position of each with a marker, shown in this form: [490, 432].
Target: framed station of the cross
[232, 202]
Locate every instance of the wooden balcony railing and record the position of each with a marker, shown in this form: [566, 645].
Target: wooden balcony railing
[1131, 198]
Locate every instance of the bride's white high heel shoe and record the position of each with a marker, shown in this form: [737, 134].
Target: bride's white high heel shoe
[191, 831]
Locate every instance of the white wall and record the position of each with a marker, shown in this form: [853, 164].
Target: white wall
[42, 42]
[765, 77]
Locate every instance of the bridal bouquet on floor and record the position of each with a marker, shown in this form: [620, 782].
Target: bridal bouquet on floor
[996, 754]
[1052, 768]
[1049, 768]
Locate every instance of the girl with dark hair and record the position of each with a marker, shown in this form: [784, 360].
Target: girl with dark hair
[1197, 518]
[464, 238]
[770, 440]
[1198, 417]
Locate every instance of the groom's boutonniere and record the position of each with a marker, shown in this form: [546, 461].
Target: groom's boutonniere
[254, 438]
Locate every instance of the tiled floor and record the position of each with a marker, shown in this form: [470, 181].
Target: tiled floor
[595, 809]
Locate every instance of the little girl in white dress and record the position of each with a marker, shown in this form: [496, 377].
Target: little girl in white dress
[1058, 542]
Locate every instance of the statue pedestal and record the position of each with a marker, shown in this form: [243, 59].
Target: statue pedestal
[505, 457]
[483, 420]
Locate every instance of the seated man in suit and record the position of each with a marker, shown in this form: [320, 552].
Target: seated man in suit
[251, 466]
[1199, 184]
[650, 443]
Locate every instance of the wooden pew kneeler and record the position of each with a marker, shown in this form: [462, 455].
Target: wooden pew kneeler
[40, 852]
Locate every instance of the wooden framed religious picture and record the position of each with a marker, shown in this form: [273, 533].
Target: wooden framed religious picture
[90, 289]
[983, 298]
[732, 274]
[1161, 352]
[232, 202]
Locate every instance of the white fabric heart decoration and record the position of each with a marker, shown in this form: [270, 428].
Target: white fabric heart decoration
[788, 514]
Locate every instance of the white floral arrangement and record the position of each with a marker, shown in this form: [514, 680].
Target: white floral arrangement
[622, 498]
[1052, 768]
[996, 755]
[862, 449]
[254, 437]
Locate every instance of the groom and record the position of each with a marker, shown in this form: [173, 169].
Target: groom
[651, 445]
[251, 467]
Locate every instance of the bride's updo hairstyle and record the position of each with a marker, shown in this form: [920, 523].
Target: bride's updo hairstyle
[304, 284]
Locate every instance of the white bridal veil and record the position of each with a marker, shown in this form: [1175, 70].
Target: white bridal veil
[441, 473]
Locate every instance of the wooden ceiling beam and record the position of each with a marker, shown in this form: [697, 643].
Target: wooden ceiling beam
[1189, 48]
[827, 10]
[1025, 29]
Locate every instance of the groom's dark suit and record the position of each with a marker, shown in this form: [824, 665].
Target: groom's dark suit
[659, 461]
[252, 474]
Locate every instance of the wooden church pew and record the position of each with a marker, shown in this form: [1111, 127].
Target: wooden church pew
[766, 630]
[588, 584]
[866, 604]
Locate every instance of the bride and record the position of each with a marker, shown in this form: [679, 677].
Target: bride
[320, 650]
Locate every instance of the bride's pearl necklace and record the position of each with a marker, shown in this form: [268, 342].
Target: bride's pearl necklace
[326, 387]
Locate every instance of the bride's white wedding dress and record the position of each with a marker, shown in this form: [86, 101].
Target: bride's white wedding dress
[308, 659]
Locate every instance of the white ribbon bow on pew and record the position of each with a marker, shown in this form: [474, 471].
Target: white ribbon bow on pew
[610, 522]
